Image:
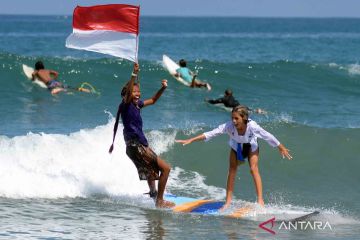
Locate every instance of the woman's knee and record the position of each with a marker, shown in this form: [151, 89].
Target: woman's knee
[165, 168]
[253, 162]
[254, 169]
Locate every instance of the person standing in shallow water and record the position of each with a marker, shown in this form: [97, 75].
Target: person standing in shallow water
[243, 133]
[148, 164]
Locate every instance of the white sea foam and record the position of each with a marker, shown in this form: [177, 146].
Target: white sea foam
[79, 165]
[55, 165]
[285, 117]
[354, 69]
[193, 184]
[161, 142]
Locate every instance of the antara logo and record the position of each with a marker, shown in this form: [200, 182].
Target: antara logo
[272, 221]
[297, 225]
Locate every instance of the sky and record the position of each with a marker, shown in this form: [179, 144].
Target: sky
[241, 8]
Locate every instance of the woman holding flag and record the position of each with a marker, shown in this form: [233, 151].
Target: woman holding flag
[148, 164]
[114, 29]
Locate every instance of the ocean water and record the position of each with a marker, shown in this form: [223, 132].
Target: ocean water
[59, 182]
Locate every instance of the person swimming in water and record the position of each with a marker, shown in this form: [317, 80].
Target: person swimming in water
[230, 102]
[49, 77]
[189, 76]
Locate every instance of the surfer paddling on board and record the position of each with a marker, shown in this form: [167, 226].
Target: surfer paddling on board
[190, 77]
[148, 164]
[243, 143]
[230, 102]
[49, 77]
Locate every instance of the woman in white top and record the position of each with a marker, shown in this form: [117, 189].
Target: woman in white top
[243, 134]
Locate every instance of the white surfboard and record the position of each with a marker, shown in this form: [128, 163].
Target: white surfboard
[28, 73]
[171, 66]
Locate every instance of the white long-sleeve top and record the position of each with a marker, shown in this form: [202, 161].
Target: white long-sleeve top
[253, 131]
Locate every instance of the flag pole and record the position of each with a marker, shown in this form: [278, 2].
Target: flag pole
[137, 37]
[137, 43]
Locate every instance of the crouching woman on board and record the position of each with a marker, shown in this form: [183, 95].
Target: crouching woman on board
[243, 134]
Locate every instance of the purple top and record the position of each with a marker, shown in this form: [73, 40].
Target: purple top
[132, 121]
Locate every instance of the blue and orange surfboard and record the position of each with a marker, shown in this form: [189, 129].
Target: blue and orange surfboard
[203, 206]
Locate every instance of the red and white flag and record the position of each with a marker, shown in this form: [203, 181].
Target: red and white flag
[110, 29]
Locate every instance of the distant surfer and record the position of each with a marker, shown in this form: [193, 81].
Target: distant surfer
[148, 164]
[230, 102]
[189, 76]
[49, 77]
[243, 143]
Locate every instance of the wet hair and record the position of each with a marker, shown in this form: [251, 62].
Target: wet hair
[182, 63]
[243, 112]
[39, 65]
[228, 92]
[124, 89]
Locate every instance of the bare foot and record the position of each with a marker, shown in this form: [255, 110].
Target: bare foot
[208, 86]
[164, 204]
[57, 90]
[260, 111]
[261, 203]
[83, 90]
[226, 205]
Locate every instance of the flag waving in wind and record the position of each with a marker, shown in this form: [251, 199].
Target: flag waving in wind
[110, 29]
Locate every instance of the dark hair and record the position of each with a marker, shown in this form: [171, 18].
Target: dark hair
[39, 65]
[124, 89]
[243, 112]
[228, 92]
[182, 63]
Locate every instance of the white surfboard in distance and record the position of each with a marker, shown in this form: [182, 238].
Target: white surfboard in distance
[171, 66]
[28, 73]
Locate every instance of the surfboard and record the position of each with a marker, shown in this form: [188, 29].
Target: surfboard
[305, 217]
[204, 206]
[28, 73]
[212, 207]
[171, 67]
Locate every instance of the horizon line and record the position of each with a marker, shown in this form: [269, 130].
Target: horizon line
[191, 16]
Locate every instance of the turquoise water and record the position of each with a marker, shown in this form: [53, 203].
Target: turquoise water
[59, 182]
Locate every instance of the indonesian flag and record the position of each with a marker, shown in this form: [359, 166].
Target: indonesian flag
[110, 29]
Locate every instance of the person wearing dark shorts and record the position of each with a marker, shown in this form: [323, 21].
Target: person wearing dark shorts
[145, 160]
[52, 84]
[150, 167]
